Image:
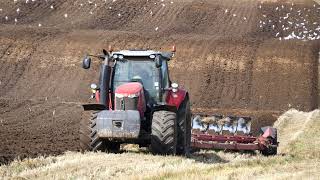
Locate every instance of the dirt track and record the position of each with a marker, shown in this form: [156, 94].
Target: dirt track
[225, 61]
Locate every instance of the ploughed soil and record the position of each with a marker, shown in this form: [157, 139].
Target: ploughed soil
[227, 62]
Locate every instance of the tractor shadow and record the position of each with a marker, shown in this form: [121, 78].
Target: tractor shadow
[208, 157]
[201, 156]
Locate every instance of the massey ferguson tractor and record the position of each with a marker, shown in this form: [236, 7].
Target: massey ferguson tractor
[136, 102]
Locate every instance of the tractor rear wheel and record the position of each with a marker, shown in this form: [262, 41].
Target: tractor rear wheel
[164, 133]
[184, 128]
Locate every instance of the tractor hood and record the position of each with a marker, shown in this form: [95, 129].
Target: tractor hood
[129, 89]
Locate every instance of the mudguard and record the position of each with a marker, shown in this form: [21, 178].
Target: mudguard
[118, 124]
[94, 107]
[176, 98]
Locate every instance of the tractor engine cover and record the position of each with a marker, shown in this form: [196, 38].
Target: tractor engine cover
[118, 124]
[130, 96]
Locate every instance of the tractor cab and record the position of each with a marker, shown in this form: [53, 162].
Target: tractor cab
[149, 68]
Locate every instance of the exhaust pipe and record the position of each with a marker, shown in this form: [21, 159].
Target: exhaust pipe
[105, 76]
[104, 80]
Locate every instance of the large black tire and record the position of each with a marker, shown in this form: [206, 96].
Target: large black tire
[184, 128]
[89, 141]
[84, 132]
[164, 133]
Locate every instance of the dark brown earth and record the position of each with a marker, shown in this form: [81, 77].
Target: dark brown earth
[228, 64]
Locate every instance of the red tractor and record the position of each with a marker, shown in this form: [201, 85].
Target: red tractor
[136, 103]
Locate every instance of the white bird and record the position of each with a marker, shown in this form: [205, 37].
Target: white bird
[39, 25]
[51, 7]
[119, 15]
[15, 20]
[7, 18]
[18, 10]
[277, 34]
[226, 11]
[156, 29]
[66, 15]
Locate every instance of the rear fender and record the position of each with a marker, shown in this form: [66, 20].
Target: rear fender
[176, 98]
[164, 108]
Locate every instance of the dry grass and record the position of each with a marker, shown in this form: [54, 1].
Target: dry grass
[300, 159]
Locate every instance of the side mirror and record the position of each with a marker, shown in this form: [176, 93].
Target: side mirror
[158, 62]
[175, 87]
[86, 63]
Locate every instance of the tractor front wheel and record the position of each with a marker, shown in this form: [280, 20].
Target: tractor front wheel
[164, 133]
[89, 140]
[85, 131]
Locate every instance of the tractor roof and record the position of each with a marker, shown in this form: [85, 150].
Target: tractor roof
[142, 53]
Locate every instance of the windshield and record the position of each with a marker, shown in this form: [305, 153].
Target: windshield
[138, 69]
